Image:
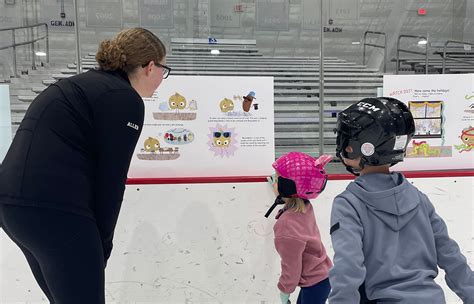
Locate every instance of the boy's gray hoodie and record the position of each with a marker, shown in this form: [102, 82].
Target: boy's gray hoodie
[386, 234]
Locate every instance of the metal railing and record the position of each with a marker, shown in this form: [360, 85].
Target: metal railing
[425, 53]
[446, 57]
[384, 47]
[31, 41]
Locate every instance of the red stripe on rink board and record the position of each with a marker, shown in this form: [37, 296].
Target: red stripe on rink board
[197, 180]
[416, 174]
[260, 179]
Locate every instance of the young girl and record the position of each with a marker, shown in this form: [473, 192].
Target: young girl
[304, 262]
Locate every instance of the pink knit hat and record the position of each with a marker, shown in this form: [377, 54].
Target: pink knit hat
[306, 172]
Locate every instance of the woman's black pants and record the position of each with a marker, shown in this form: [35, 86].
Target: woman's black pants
[63, 250]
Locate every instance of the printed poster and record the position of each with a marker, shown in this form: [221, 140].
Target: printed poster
[443, 109]
[197, 126]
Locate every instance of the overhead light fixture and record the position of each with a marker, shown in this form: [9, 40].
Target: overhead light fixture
[40, 54]
[355, 42]
[422, 42]
[215, 52]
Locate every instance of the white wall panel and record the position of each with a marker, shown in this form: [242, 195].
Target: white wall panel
[209, 243]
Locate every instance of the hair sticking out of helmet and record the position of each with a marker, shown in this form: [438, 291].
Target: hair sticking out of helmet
[300, 175]
[377, 129]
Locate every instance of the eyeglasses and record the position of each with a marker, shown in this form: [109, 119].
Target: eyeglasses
[219, 134]
[166, 70]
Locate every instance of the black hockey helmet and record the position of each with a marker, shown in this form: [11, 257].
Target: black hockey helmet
[377, 129]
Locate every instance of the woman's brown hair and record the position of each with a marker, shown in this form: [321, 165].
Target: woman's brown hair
[130, 49]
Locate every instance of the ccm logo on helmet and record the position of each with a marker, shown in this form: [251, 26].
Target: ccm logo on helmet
[368, 106]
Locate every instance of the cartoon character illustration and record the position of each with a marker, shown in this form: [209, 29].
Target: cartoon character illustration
[193, 105]
[151, 145]
[179, 136]
[222, 140]
[171, 110]
[177, 102]
[467, 138]
[247, 103]
[226, 105]
[423, 148]
[429, 118]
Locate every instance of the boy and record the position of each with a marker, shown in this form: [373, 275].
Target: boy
[387, 238]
